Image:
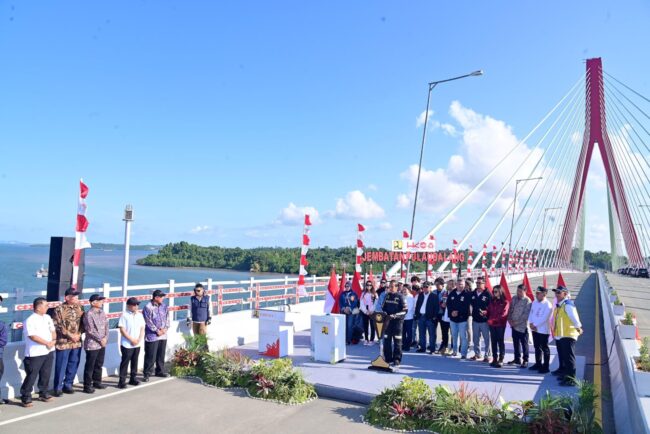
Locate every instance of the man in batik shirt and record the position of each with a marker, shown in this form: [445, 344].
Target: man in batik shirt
[156, 319]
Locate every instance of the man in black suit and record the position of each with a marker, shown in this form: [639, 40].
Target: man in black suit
[426, 310]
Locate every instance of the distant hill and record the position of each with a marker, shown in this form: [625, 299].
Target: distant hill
[111, 246]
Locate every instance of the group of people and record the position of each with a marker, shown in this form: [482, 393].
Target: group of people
[56, 340]
[459, 311]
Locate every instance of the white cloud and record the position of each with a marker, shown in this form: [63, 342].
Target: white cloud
[403, 201]
[372, 187]
[356, 205]
[384, 226]
[200, 229]
[419, 121]
[257, 233]
[449, 129]
[294, 215]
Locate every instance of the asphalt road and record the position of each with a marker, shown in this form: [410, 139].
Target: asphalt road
[635, 294]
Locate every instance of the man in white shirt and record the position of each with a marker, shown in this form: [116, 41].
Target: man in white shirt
[539, 319]
[131, 327]
[39, 347]
[407, 331]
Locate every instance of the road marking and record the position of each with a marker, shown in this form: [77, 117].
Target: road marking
[597, 367]
[84, 401]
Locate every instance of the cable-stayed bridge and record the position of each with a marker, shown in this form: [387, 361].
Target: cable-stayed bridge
[534, 217]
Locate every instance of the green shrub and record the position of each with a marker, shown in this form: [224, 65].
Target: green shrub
[186, 360]
[278, 380]
[226, 368]
[405, 406]
[643, 361]
[618, 302]
[628, 319]
[614, 293]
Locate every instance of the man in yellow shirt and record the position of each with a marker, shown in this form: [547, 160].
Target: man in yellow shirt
[567, 329]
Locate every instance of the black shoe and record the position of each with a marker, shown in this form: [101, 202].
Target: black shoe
[557, 372]
[45, 398]
[99, 386]
[68, 390]
[57, 393]
[420, 351]
[514, 362]
[162, 375]
[26, 404]
[544, 370]
[134, 382]
[463, 357]
[494, 363]
[121, 385]
[535, 367]
[145, 378]
[499, 364]
[524, 365]
[89, 390]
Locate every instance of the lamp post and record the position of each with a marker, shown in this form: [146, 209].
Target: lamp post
[432, 85]
[541, 244]
[128, 219]
[512, 223]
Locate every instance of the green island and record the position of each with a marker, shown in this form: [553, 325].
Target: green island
[284, 260]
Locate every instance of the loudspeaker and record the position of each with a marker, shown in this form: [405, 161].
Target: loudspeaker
[60, 269]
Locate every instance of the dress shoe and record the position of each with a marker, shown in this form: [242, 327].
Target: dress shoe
[543, 370]
[494, 363]
[145, 378]
[514, 362]
[57, 393]
[45, 398]
[121, 385]
[557, 372]
[524, 365]
[89, 390]
[68, 390]
[134, 382]
[535, 367]
[26, 404]
[99, 386]
[420, 351]
[162, 375]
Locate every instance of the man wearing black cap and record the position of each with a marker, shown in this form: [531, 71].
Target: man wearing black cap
[567, 329]
[201, 310]
[68, 322]
[96, 328]
[131, 327]
[156, 320]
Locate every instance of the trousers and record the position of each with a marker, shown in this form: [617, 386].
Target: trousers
[566, 353]
[93, 367]
[36, 367]
[540, 343]
[154, 352]
[498, 343]
[459, 333]
[520, 342]
[65, 367]
[393, 341]
[481, 330]
[129, 356]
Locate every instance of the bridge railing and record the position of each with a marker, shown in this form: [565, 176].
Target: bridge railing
[226, 296]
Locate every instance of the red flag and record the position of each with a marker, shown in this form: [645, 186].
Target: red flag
[405, 234]
[83, 189]
[356, 283]
[303, 260]
[305, 240]
[504, 286]
[383, 275]
[361, 227]
[82, 223]
[488, 284]
[344, 279]
[529, 290]
[371, 278]
[333, 289]
[560, 280]
[307, 220]
[360, 244]
[544, 284]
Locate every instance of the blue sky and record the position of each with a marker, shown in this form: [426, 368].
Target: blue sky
[211, 118]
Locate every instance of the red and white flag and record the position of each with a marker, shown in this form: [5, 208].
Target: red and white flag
[356, 278]
[484, 259]
[430, 258]
[493, 263]
[470, 260]
[300, 290]
[402, 274]
[80, 241]
[454, 258]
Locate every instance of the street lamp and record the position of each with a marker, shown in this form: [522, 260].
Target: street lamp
[432, 85]
[128, 219]
[512, 223]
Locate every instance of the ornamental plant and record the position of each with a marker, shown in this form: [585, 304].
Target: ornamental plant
[628, 319]
[643, 361]
[186, 360]
[617, 302]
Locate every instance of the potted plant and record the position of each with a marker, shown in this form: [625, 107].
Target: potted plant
[619, 307]
[642, 369]
[627, 327]
[613, 296]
